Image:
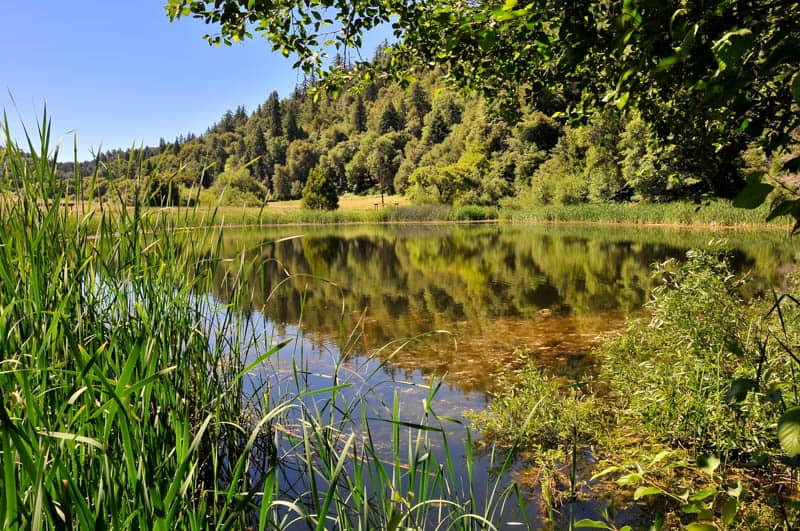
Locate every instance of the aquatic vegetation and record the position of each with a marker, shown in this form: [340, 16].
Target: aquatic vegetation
[684, 410]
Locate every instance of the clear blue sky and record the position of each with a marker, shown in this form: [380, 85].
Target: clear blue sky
[119, 73]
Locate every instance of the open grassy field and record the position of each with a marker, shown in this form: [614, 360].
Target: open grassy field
[349, 202]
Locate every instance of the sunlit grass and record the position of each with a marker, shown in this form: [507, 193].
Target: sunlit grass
[715, 213]
[133, 399]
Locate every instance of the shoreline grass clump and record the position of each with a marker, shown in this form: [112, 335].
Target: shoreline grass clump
[714, 213]
[134, 399]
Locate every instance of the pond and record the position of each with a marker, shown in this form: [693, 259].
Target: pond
[394, 306]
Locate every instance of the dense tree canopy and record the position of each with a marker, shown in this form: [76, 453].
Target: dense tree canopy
[709, 75]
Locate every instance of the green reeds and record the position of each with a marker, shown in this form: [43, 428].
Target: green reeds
[133, 399]
[717, 212]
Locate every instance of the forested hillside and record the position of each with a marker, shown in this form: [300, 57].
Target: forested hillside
[426, 141]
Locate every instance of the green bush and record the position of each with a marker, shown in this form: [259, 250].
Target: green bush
[237, 187]
[671, 377]
[558, 180]
[319, 192]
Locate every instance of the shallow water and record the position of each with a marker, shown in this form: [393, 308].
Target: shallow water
[407, 303]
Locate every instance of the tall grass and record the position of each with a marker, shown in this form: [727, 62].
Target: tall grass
[132, 399]
[714, 213]
[264, 216]
[718, 212]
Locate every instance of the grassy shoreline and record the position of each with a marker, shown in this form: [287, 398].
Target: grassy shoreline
[719, 214]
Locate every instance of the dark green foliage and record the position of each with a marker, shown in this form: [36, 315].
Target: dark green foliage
[292, 130]
[391, 120]
[273, 111]
[645, 163]
[319, 193]
[540, 130]
[436, 128]
[419, 100]
[237, 186]
[163, 192]
[616, 156]
[301, 156]
[256, 154]
[281, 183]
[358, 118]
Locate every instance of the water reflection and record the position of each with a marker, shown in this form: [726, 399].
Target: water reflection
[553, 290]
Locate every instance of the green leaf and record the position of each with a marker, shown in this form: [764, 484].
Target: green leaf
[738, 390]
[593, 524]
[605, 472]
[707, 463]
[730, 48]
[789, 431]
[736, 490]
[754, 193]
[629, 479]
[697, 526]
[744, 125]
[691, 508]
[641, 492]
[667, 62]
[703, 494]
[623, 100]
[658, 523]
[795, 87]
[660, 457]
[729, 509]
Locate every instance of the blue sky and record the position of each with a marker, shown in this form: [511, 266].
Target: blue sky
[120, 73]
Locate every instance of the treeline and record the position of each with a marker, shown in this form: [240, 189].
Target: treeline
[425, 141]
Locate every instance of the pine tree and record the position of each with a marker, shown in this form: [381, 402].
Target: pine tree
[240, 116]
[257, 150]
[226, 124]
[436, 128]
[293, 131]
[359, 117]
[319, 193]
[391, 120]
[273, 111]
[419, 100]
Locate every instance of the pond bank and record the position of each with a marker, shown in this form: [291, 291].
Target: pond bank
[719, 214]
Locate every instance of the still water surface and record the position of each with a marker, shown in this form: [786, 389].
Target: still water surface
[405, 303]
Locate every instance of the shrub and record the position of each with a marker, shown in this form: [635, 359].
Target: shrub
[236, 186]
[319, 192]
[643, 166]
[672, 376]
[558, 180]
